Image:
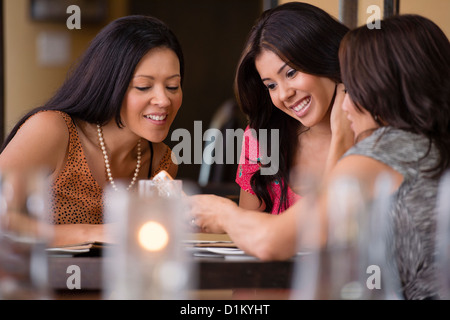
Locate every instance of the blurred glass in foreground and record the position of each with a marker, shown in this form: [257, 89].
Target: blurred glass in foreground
[149, 260]
[24, 235]
[443, 236]
[353, 262]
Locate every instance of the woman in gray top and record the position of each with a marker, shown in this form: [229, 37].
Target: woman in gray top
[397, 80]
[399, 77]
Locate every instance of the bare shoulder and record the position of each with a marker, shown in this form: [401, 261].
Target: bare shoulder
[50, 121]
[41, 140]
[363, 168]
[49, 127]
[358, 163]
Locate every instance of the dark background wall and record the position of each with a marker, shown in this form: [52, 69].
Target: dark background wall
[212, 34]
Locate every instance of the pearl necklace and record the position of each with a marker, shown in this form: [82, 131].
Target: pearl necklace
[107, 165]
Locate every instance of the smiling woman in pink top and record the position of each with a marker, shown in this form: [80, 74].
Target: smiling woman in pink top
[287, 80]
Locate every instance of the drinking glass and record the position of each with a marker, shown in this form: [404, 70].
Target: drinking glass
[378, 244]
[24, 235]
[340, 257]
[150, 260]
[443, 236]
[353, 263]
[161, 189]
[306, 275]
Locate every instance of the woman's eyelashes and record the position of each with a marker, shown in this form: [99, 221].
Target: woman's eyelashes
[271, 86]
[170, 88]
[291, 73]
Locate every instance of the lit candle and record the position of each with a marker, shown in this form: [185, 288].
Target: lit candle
[153, 236]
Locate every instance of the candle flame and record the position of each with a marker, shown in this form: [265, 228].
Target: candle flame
[153, 236]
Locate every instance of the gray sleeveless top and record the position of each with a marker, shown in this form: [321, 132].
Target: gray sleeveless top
[414, 205]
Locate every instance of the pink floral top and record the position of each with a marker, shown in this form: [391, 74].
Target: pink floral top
[249, 163]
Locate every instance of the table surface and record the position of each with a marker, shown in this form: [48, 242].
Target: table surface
[213, 273]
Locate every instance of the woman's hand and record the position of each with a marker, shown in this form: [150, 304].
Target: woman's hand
[342, 136]
[65, 234]
[340, 125]
[265, 236]
[207, 212]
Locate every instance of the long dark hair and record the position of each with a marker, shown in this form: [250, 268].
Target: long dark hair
[305, 37]
[400, 74]
[95, 89]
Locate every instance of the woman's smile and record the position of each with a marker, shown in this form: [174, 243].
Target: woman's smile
[301, 107]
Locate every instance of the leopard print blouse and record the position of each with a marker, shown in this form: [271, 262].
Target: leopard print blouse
[76, 196]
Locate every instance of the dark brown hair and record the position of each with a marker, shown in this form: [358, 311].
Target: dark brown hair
[95, 89]
[400, 73]
[305, 37]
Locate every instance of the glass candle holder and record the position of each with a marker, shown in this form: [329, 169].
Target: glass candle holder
[24, 235]
[354, 262]
[150, 261]
[443, 237]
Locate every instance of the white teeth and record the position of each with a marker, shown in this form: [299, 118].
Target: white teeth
[302, 105]
[156, 118]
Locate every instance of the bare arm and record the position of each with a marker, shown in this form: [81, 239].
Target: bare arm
[64, 234]
[274, 237]
[42, 142]
[249, 201]
[261, 235]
